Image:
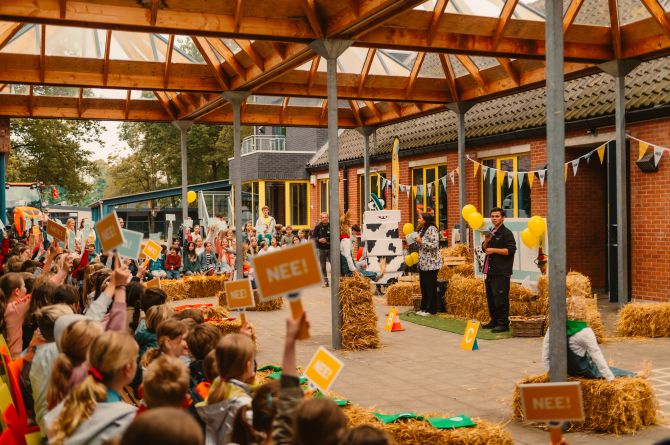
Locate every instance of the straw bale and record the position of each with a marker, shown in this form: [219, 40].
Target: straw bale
[215, 312]
[644, 320]
[359, 320]
[446, 272]
[271, 305]
[576, 285]
[175, 289]
[417, 432]
[230, 326]
[205, 286]
[621, 406]
[400, 293]
[458, 249]
[586, 309]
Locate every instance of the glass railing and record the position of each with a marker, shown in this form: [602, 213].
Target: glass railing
[251, 144]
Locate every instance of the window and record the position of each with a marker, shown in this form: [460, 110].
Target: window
[513, 198]
[250, 202]
[275, 199]
[323, 195]
[375, 187]
[298, 203]
[430, 193]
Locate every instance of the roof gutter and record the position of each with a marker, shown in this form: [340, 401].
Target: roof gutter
[646, 114]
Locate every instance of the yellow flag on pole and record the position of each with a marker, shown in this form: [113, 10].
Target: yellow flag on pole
[476, 164]
[601, 152]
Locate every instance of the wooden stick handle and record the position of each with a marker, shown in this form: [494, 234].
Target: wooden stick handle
[555, 433]
[295, 303]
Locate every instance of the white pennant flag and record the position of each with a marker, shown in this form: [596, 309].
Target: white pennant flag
[485, 171]
[408, 189]
[510, 179]
[658, 152]
[588, 156]
[389, 183]
[419, 190]
[452, 176]
[429, 188]
[492, 174]
[383, 182]
[575, 165]
[519, 176]
[443, 180]
[541, 174]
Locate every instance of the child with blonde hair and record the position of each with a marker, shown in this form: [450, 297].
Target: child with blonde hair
[14, 304]
[166, 383]
[93, 412]
[230, 390]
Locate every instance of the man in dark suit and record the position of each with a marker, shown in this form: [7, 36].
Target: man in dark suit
[499, 246]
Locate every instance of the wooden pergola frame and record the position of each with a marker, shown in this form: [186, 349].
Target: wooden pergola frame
[273, 38]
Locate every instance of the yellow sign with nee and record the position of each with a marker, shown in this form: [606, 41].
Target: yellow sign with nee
[151, 250]
[57, 231]
[323, 369]
[109, 232]
[287, 270]
[154, 282]
[469, 342]
[239, 294]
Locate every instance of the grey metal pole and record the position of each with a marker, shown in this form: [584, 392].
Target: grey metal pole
[331, 50]
[460, 108]
[183, 127]
[619, 69]
[236, 98]
[558, 369]
[366, 132]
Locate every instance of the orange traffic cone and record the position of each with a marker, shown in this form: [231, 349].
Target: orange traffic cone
[396, 324]
[392, 321]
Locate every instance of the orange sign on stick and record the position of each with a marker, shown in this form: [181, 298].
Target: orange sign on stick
[295, 303]
[152, 250]
[57, 231]
[323, 369]
[287, 270]
[546, 402]
[239, 294]
[469, 342]
[109, 232]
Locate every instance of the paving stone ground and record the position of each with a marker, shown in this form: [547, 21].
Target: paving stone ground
[424, 370]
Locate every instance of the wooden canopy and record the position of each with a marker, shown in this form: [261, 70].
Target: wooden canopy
[130, 59]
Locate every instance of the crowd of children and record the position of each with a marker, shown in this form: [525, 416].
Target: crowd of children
[106, 361]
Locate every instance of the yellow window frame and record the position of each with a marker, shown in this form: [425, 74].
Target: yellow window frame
[287, 198]
[320, 195]
[361, 179]
[515, 188]
[436, 183]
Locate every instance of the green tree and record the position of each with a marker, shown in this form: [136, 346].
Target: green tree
[51, 151]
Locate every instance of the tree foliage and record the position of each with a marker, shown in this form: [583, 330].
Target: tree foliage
[51, 151]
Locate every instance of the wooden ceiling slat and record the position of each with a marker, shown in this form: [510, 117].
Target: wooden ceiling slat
[450, 76]
[369, 58]
[228, 56]
[43, 53]
[211, 60]
[312, 73]
[440, 6]
[238, 16]
[250, 51]
[571, 14]
[168, 61]
[470, 66]
[658, 13]
[415, 72]
[503, 20]
[509, 69]
[105, 60]
[614, 26]
[357, 112]
[309, 8]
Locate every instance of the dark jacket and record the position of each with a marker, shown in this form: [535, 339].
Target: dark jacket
[501, 264]
[321, 231]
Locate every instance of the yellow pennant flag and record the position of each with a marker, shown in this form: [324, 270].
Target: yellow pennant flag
[476, 167]
[457, 171]
[642, 149]
[601, 152]
[500, 176]
[530, 176]
[565, 172]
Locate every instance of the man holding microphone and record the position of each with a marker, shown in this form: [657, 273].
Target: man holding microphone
[499, 246]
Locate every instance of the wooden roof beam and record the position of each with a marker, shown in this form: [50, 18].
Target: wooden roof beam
[227, 55]
[357, 112]
[312, 73]
[168, 61]
[369, 58]
[166, 103]
[211, 60]
[80, 103]
[105, 60]
[659, 14]
[470, 66]
[324, 109]
[615, 28]
[510, 70]
[278, 49]
[503, 21]
[8, 31]
[249, 50]
[63, 8]
[238, 16]
[43, 44]
[153, 12]
[571, 14]
[2, 87]
[397, 109]
[282, 112]
[450, 76]
[31, 101]
[126, 108]
[440, 6]
[420, 56]
[309, 8]
[370, 14]
[371, 105]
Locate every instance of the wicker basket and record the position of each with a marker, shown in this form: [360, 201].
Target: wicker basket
[527, 326]
[416, 301]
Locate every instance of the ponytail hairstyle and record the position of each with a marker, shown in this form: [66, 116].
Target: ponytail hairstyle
[99, 279]
[170, 329]
[264, 409]
[108, 356]
[9, 282]
[233, 353]
[134, 294]
[74, 343]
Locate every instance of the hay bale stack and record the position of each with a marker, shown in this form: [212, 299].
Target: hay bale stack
[176, 290]
[446, 272]
[576, 285]
[466, 298]
[359, 320]
[624, 405]
[418, 432]
[460, 250]
[272, 305]
[644, 320]
[216, 312]
[203, 287]
[400, 293]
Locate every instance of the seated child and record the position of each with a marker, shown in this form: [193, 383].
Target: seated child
[164, 426]
[201, 340]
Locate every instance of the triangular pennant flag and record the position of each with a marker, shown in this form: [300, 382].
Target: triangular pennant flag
[510, 179]
[601, 152]
[458, 172]
[501, 177]
[429, 188]
[408, 189]
[565, 171]
[485, 171]
[588, 156]
[492, 174]
[541, 174]
[642, 149]
[575, 165]
[519, 177]
[419, 189]
[383, 182]
[658, 152]
[452, 177]
[476, 164]
[530, 176]
[413, 190]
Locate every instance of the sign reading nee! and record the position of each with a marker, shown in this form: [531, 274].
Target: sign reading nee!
[239, 294]
[287, 270]
[57, 231]
[546, 402]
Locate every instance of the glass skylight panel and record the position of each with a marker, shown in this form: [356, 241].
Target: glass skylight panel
[26, 41]
[305, 102]
[39, 90]
[265, 100]
[74, 42]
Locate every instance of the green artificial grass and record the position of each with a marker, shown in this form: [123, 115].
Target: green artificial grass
[448, 323]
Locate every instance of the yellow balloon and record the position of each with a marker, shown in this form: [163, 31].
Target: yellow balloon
[537, 225]
[475, 220]
[408, 261]
[468, 210]
[529, 239]
[415, 257]
[191, 196]
[408, 228]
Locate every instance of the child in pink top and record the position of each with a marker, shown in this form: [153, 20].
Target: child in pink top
[15, 304]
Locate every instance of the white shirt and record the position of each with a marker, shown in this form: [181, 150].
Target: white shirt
[580, 343]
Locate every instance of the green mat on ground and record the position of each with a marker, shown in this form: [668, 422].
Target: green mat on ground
[447, 323]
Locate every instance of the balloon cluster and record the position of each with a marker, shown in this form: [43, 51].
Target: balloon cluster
[412, 259]
[474, 219]
[410, 236]
[533, 235]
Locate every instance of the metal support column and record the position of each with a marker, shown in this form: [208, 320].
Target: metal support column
[183, 127]
[331, 50]
[558, 369]
[366, 131]
[236, 98]
[3, 189]
[460, 108]
[619, 69]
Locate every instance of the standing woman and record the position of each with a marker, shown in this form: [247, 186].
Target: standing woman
[430, 262]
